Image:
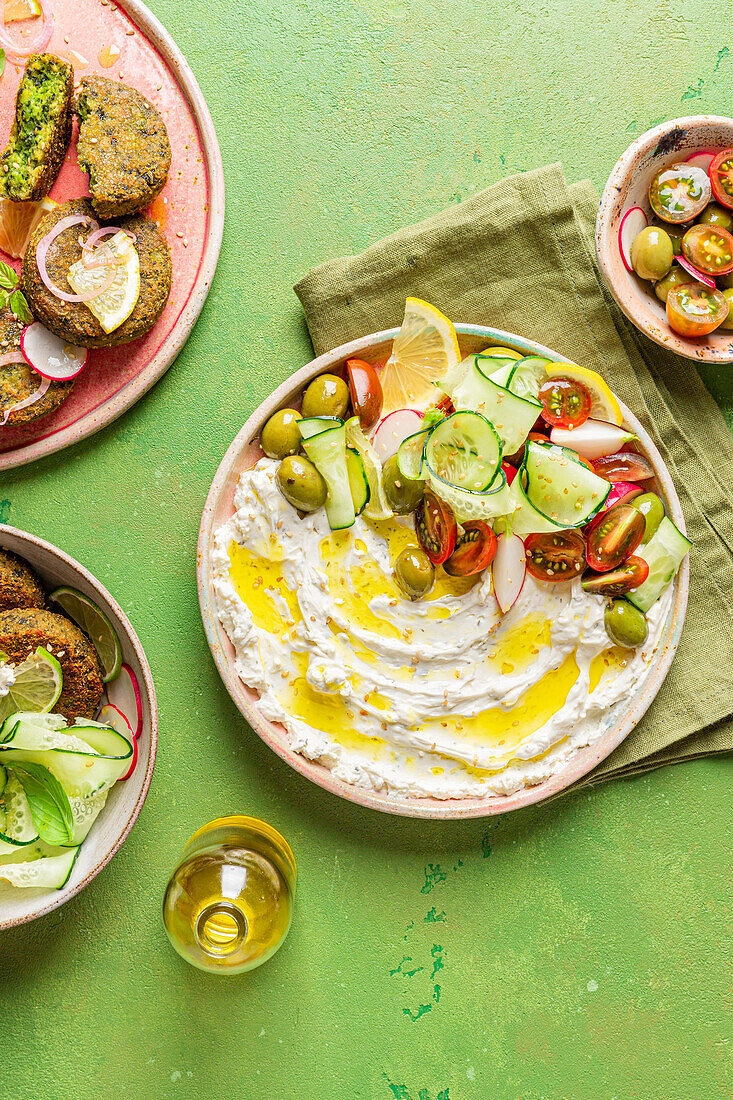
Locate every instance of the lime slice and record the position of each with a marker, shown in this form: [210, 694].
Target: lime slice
[94, 623]
[118, 301]
[36, 687]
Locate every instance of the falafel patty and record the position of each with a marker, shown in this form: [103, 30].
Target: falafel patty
[23, 630]
[123, 145]
[73, 321]
[19, 380]
[19, 585]
[41, 129]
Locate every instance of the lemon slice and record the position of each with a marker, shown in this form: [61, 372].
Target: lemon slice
[17, 222]
[36, 686]
[424, 350]
[94, 623]
[117, 302]
[604, 405]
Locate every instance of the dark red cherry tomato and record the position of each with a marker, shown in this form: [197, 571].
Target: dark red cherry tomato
[565, 402]
[617, 582]
[709, 248]
[558, 556]
[721, 178]
[445, 405]
[436, 528]
[623, 466]
[613, 536]
[366, 391]
[475, 549]
[510, 472]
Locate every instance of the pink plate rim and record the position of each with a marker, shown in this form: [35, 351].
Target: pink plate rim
[147, 688]
[275, 736]
[132, 391]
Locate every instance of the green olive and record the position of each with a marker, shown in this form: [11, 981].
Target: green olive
[652, 253]
[402, 493]
[414, 573]
[301, 484]
[675, 234]
[625, 624]
[676, 276]
[652, 509]
[280, 436]
[327, 395]
[728, 322]
[714, 214]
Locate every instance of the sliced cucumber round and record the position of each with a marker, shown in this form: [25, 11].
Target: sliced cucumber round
[314, 425]
[327, 452]
[464, 450]
[377, 506]
[559, 487]
[513, 417]
[527, 376]
[18, 827]
[358, 483]
[46, 873]
[494, 501]
[411, 454]
[664, 553]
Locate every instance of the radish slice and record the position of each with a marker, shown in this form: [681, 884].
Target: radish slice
[30, 400]
[632, 223]
[592, 439]
[509, 570]
[393, 429]
[699, 275]
[703, 158]
[50, 356]
[125, 693]
[621, 490]
[112, 716]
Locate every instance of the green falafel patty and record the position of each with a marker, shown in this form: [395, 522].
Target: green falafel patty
[19, 585]
[19, 380]
[123, 145]
[23, 630]
[41, 130]
[74, 321]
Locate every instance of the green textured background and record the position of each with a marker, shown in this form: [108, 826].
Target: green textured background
[580, 950]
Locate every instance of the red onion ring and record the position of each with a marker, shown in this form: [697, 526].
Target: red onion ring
[17, 53]
[31, 400]
[42, 252]
[9, 357]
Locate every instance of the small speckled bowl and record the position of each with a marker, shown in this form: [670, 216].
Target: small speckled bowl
[628, 186]
[107, 835]
[245, 452]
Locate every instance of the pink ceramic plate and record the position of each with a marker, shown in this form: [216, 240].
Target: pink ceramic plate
[190, 210]
[245, 451]
[126, 799]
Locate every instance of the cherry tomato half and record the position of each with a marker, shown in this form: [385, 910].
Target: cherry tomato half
[612, 536]
[565, 402]
[436, 528]
[709, 248]
[721, 177]
[617, 582]
[557, 556]
[366, 391]
[623, 466]
[679, 192]
[695, 309]
[475, 549]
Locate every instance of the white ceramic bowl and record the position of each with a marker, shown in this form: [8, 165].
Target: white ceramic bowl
[125, 799]
[245, 451]
[628, 185]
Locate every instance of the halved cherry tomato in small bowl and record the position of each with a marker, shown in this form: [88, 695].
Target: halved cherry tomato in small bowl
[709, 248]
[555, 556]
[695, 310]
[679, 192]
[721, 178]
[617, 582]
[623, 466]
[612, 536]
[475, 549]
[565, 402]
[366, 391]
[436, 528]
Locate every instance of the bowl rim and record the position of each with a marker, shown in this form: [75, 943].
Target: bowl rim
[276, 737]
[605, 234]
[147, 688]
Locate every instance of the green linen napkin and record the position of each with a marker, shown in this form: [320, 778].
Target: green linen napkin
[520, 256]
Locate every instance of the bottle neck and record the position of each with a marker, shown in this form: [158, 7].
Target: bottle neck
[221, 929]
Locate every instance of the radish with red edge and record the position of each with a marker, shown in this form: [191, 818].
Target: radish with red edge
[51, 357]
[393, 429]
[632, 223]
[593, 438]
[621, 490]
[124, 693]
[110, 715]
[699, 276]
[703, 158]
[509, 570]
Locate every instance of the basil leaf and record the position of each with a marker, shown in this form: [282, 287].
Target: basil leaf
[8, 278]
[49, 802]
[20, 308]
[4, 295]
[2, 62]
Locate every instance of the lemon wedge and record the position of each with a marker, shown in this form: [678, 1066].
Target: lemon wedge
[118, 301]
[424, 350]
[604, 405]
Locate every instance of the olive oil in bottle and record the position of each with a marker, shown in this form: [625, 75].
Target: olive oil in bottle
[228, 904]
